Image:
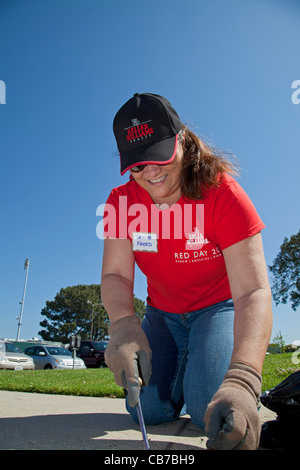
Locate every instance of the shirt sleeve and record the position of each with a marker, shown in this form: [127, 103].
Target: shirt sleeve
[235, 217]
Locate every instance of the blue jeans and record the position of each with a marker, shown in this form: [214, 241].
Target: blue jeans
[191, 354]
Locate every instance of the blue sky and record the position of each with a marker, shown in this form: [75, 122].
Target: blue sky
[68, 65]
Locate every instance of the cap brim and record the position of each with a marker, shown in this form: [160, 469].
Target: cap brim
[158, 153]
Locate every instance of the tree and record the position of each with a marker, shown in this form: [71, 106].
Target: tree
[286, 271]
[71, 313]
[279, 341]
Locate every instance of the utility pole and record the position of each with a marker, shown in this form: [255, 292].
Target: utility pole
[26, 267]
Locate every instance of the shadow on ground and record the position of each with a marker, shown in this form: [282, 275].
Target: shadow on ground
[99, 431]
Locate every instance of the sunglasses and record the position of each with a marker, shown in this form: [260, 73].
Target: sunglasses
[138, 168]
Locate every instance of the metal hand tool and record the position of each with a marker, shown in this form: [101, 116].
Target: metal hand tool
[142, 425]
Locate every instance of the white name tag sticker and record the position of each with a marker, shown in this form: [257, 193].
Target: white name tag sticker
[144, 242]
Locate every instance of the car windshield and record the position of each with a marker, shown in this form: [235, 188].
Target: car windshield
[57, 351]
[12, 348]
[100, 345]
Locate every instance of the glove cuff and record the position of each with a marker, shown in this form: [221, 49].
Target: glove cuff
[246, 376]
[124, 323]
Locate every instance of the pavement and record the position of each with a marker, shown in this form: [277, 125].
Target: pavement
[32, 421]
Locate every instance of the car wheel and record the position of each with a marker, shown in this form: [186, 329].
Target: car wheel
[47, 366]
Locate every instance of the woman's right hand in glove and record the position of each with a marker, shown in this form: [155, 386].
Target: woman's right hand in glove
[128, 355]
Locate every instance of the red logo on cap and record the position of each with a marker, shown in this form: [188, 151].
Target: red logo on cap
[138, 131]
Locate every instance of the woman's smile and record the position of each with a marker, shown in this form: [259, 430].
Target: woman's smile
[158, 180]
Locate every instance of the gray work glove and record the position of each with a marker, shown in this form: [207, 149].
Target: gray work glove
[231, 418]
[128, 355]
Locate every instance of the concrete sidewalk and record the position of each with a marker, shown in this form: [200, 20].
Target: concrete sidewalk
[31, 421]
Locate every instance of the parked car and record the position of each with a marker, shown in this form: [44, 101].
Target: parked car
[11, 357]
[92, 352]
[53, 357]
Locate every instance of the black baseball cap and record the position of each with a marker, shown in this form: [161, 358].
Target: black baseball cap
[146, 129]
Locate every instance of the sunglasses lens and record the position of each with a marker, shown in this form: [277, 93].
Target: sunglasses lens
[138, 168]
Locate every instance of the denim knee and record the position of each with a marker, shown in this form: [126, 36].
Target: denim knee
[150, 419]
[196, 414]
[154, 415]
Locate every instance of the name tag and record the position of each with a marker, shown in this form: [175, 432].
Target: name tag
[144, 242]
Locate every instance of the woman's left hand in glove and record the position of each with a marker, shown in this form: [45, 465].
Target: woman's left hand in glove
[231, 419]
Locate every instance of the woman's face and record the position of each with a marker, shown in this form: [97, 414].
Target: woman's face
[163, 182]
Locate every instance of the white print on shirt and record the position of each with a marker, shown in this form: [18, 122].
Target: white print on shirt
[195, 240]
[196, 256]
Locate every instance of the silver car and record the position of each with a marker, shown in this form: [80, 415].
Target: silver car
[53, 357]
[11, 357]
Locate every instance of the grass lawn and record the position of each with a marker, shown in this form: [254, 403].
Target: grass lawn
[100, 382]
[80, 382]
[276, 368]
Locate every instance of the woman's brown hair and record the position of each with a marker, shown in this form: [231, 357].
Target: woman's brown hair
[203, 165]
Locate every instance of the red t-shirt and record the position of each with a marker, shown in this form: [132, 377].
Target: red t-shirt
[179, 248]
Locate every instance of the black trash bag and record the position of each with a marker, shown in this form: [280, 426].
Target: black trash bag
[284, 399]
